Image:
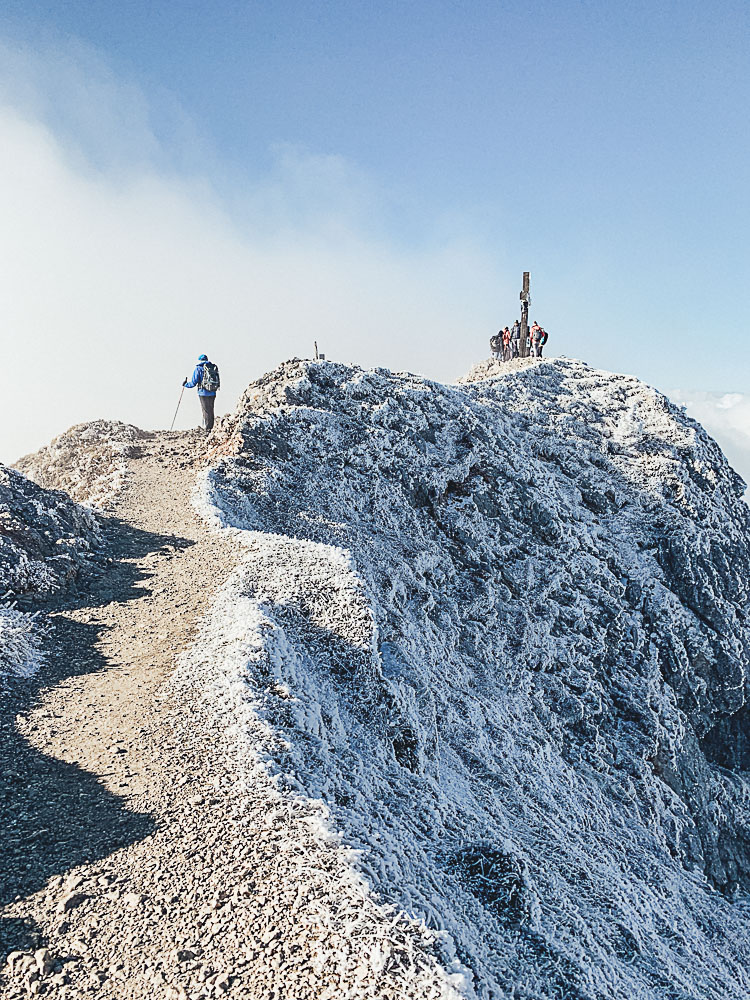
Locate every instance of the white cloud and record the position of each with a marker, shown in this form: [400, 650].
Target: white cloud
[118, 269]
[726, 417]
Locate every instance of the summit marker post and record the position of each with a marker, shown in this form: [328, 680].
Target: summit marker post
[525, 300]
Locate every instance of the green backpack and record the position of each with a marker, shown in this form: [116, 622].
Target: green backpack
[210, 381]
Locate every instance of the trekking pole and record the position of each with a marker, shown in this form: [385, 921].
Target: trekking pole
[178, 406]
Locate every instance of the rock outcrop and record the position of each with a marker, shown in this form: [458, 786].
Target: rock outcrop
[45, 538]
[45, 541]
[88, 461]
[501, 631]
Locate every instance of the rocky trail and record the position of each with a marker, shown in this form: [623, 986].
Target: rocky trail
[139, 862]
[96, 770]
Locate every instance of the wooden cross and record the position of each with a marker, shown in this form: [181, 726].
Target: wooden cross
[525, 300]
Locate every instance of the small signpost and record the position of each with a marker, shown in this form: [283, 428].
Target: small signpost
[525, 300]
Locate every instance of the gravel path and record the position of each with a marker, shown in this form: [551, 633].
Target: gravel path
[85, 798]
[136, 863]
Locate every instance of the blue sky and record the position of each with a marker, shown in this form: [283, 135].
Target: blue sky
[245, 178]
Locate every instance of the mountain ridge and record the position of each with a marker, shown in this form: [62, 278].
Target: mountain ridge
[611, 594]
[481, 660]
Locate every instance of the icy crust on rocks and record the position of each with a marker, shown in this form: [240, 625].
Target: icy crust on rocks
[45, 540]
[88, 461]
[501, 632]
[492, 367]
[316, 898]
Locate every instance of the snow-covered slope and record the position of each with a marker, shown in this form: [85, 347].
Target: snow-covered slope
[501, 630]
[45, 541]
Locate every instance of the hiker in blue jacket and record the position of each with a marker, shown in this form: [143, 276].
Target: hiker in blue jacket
[206, 377]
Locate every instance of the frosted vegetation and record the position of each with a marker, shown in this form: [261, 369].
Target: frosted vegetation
[45, 541]
[500, 632]
[20, 655]
[88, 461]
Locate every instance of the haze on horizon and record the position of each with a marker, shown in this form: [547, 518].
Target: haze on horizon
[246, 181]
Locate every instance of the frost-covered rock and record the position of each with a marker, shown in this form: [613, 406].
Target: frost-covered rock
[501, 631]
[492, 367]
[45, 541]
[20, 654]
[45, 538]
[88, 461]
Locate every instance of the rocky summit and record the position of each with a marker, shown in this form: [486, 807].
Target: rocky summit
[396, 689]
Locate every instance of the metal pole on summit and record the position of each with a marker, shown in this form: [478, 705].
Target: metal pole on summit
[178, 406]
[525, 300]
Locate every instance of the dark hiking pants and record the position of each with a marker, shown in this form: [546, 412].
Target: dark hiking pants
[207, 406]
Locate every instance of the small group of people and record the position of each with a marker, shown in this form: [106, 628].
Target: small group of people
[506, 344]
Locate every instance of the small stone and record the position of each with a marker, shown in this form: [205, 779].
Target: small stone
[44, 961]
[70, 902]
[132, 900]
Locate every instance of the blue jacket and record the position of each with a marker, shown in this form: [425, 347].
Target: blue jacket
[197, 379]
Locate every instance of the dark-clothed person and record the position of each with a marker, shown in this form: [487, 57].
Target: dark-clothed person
[535, 335]
[515, 339]
[538, 340]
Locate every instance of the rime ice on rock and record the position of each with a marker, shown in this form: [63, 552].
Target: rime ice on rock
[45, 540]
[88, 461]
[501, 631]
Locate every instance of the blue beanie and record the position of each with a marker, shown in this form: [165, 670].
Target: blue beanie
[203, 358]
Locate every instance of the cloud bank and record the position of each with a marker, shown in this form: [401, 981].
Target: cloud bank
[121, 264]
[726, 417]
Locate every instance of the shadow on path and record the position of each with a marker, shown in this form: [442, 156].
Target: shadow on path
[55, 815]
